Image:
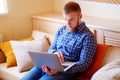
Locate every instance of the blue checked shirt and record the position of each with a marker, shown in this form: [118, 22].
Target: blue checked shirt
[79, 46]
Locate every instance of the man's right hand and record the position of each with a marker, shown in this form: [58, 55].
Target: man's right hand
[60, 56]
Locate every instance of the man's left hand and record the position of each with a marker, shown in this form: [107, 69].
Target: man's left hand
[48, 70]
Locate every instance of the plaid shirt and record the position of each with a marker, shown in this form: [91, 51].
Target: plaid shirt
[79, 46]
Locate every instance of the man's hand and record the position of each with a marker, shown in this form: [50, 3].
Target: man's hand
[48, 70]
[60, 56]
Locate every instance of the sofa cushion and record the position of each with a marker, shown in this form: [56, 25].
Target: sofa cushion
[98, 59]
[10, 58]
[37, 33]
[2, 57]
[110, 71]
[10, 73]
[83, 78]
[21, 49]
[112, 53]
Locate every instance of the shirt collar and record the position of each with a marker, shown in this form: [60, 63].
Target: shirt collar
[81, 27]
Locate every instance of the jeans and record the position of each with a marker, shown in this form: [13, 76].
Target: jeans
[37, 74]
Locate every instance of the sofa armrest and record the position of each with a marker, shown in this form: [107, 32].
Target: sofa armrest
[2, 57]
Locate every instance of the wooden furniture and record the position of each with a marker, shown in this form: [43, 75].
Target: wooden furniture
[107, 31]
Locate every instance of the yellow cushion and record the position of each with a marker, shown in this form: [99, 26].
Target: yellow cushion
[7, 49]
[27, 39]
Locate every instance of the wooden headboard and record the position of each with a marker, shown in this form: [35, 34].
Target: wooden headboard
[50, 22]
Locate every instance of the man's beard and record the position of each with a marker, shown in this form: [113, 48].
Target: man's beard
[73, 29]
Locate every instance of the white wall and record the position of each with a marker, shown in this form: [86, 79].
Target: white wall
[96, 9]
[17, 24]
[4, 29]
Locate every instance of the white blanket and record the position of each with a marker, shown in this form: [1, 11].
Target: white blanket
[110, 71]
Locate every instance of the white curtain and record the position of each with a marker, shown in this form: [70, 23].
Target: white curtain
[3, 6]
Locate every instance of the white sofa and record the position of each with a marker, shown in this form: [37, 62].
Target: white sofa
[12, 73]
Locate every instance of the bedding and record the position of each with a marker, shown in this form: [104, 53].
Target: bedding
[110, 71]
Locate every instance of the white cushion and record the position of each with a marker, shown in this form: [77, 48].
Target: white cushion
[21, 49]
[110, 71]
[36, 34]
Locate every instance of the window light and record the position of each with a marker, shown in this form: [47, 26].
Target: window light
[3, 7]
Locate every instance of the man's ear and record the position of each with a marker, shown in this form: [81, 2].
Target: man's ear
[80, 16]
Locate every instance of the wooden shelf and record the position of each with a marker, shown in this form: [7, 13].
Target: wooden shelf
[105, 30]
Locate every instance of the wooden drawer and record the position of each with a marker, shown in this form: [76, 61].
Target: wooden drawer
[112, 38]
[46, 25]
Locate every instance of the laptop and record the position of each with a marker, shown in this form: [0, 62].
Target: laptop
[50, 60]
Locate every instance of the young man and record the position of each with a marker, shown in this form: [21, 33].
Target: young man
[73, 42]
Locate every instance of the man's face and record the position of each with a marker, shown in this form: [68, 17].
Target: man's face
[72, 20]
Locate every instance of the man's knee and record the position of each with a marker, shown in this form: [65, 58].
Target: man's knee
[50, 77]
[34, 74]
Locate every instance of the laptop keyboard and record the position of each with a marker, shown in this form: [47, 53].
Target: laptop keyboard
[64, 66]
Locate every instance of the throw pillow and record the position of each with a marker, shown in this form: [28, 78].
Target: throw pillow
[37, 33]
[110, 71]
[10, 58]
[21, 49]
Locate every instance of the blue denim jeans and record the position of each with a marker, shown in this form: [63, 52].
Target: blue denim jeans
[37, 74]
